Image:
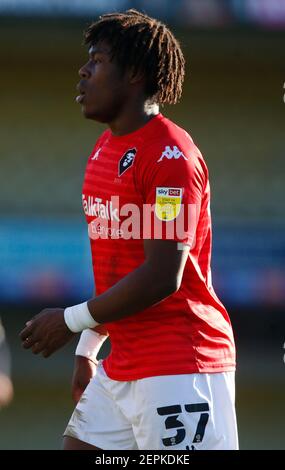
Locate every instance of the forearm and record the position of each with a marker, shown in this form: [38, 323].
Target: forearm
[157, 278]
[135, 292]
[99, 329]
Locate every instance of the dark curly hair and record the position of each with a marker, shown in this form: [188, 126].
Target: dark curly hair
[147, 46]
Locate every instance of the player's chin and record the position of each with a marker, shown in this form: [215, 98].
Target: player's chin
[86, 112]
[90, 113]
[95, 116]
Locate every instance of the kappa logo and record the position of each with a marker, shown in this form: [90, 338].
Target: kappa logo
[127, 161]
[169, 154]
[96, 155]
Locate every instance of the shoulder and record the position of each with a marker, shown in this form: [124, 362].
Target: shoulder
[171, 147]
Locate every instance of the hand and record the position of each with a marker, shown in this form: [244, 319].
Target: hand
[46, 332]
[84, 370]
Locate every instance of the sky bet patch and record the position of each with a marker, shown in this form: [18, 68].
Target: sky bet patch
[168, 203]
[127, 160]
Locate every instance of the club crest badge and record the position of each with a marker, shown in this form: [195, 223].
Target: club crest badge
[127, 161]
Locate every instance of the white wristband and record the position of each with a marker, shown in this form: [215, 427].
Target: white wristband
[78, 318]
[90, 344]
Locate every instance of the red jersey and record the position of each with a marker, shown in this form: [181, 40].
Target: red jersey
[156, 166]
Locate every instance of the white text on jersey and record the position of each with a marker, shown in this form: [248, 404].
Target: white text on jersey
[93, 206]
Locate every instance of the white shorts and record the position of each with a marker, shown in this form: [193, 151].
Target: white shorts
[174, 412]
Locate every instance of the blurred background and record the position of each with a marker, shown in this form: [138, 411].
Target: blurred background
[234, 108]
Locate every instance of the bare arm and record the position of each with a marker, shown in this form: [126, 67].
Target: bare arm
[157, 278]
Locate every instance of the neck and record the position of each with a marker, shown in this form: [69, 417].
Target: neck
[133, 118]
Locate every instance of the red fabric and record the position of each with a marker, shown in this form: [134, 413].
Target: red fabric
[190, 331]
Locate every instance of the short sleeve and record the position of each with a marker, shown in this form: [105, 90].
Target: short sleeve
[171, 178]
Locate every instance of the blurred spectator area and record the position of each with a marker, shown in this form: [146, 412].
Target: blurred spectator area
[232, 106]
[217, 13]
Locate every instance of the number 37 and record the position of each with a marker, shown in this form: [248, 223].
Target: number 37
[172, 422]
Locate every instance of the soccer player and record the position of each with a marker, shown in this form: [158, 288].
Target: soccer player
[168, 382]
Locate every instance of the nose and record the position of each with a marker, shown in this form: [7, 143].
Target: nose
[83, 72]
